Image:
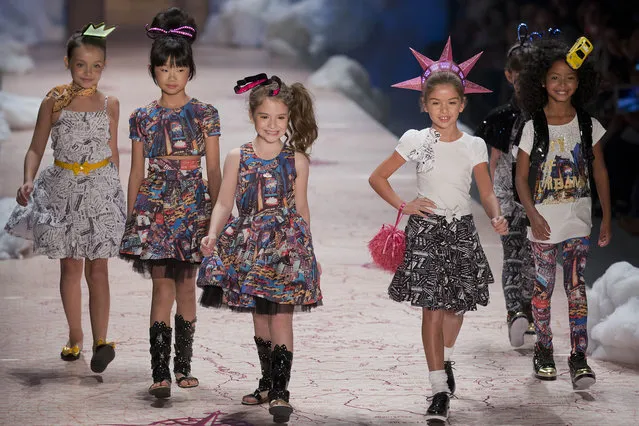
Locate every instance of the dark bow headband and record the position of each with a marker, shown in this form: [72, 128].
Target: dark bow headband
[551, 32]
[184, 31]
[261, 79]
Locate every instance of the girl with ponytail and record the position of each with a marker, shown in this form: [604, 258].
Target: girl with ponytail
[263, 261]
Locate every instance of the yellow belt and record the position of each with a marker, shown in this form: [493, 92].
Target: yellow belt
[82, 167]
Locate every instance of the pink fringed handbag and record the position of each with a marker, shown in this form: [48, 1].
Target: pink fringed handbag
[388, 246]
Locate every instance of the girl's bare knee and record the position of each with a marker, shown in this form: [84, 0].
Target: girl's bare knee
[433, 315]
[163, 290]
[184, 292]
[70, 267]
[97, 272]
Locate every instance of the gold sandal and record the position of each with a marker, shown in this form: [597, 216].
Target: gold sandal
[70, 353]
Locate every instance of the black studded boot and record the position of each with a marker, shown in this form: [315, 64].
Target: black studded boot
[261, 393]
[184, 331]
[281, 361]
[160, 339]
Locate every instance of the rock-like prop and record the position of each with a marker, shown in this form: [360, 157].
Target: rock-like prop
[14, 56]
[613, 315]
[303, 28]
[20, 112]
[350, 78]
[33, 21]
[5, 131]
[11, 247]
[242, 23]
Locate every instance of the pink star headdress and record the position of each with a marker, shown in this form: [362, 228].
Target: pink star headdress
[445, 63]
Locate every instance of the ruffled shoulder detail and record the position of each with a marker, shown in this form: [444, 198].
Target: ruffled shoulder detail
[424, 154]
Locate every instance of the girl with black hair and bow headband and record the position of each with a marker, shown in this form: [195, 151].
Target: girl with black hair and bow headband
[168, 211]
[501, 129]
[75, 210]
[263, 260]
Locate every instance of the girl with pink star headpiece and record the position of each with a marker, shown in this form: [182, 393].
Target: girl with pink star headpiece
[445, 270]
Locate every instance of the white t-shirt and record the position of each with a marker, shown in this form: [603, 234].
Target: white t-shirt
[444, 174]
[562, 195]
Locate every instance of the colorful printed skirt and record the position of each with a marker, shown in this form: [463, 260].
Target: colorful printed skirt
[170, 217]
[444, 266]
[73, 215]
[263, 263]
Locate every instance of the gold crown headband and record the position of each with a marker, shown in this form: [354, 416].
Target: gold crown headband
[99, 31]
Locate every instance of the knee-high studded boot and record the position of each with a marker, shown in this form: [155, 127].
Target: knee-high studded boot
[261, 393]
[281, 361]
[184, 331]
[160, 339]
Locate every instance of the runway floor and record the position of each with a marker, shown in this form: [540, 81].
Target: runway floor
[358, 359]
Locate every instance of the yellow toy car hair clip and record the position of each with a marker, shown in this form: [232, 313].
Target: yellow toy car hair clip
[579, 52]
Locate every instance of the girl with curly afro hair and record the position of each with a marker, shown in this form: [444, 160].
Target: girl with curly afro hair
[559, 151]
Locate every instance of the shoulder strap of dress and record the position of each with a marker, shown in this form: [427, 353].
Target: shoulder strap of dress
[106, 100]
[245, 151]
[289, 151]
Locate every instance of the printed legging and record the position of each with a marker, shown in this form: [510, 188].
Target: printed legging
[574, 252]
[518, 273]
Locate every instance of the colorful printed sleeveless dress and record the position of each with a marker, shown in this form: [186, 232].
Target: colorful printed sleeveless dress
[264, 259]
[73, 214]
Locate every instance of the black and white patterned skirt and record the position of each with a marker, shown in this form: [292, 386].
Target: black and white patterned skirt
[444, 266]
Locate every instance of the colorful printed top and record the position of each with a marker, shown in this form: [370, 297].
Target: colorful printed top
[177, 131]
[562, 193]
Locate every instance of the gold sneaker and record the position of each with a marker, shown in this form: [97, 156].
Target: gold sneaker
[544, 364]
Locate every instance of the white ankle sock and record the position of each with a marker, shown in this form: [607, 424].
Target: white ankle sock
[438, 381]
[448, 353]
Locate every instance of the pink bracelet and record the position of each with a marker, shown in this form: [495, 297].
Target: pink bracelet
[399, 214]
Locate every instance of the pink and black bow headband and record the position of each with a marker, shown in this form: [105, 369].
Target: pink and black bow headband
[184, 31]
[261, 79]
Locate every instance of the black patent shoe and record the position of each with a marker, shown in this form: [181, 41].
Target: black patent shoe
[581, 374]
[438, 409]
[103, 354]
[450, 379]
[544, 363]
